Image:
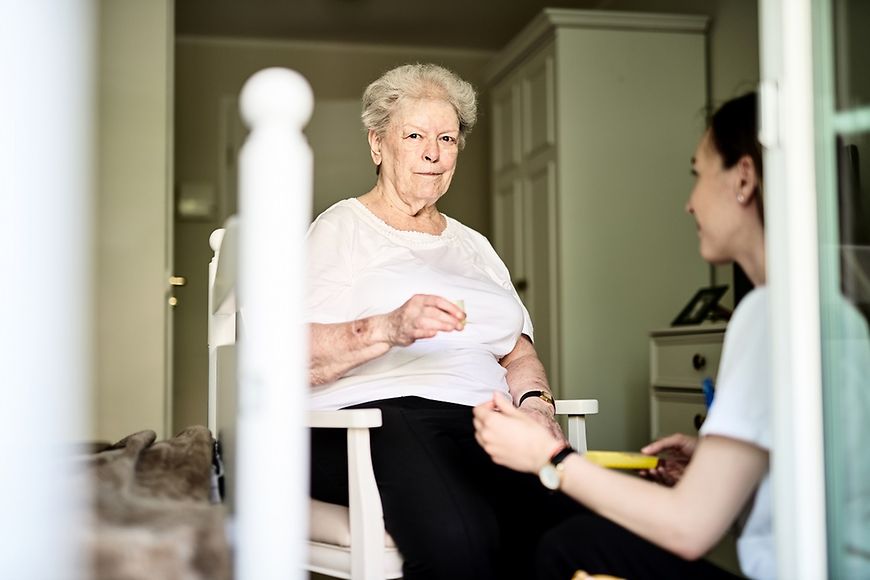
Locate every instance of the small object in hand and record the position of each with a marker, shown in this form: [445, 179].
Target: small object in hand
[584, 575]
[461, 304]
[622, 459]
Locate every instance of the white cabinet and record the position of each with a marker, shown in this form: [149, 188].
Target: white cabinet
[680, 359]
[595, 117]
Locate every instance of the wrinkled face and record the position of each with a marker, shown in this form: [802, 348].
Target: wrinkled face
[714, 203]
[418, 151]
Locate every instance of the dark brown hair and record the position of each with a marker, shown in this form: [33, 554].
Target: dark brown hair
[734, 133]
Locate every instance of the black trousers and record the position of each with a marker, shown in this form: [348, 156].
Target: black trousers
[453, 513]
[596, 545]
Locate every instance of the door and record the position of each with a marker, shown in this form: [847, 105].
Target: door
[134, 206]
[842, 107]
[815, 125]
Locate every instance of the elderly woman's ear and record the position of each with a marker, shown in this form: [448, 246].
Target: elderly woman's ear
[375, 147]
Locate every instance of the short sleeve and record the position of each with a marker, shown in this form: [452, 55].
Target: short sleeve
[329, 248]
[499, 272]
[741, 407]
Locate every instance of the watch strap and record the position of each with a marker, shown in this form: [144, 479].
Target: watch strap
[560, 455]
[547, 397]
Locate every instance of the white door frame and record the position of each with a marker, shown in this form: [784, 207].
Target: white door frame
[787, 131]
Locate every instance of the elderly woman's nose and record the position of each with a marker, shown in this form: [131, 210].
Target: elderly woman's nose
[431, 152]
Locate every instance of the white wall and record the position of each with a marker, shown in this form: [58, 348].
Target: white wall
[733, 60]
[629, 253]
[134, 118]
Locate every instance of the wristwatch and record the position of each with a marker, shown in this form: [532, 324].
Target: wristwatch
[547, 397]
[551, 473]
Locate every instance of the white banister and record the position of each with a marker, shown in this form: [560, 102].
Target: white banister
[46, 266]
[275, 184]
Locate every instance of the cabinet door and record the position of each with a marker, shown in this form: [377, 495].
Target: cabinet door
[541, 254]
[506, 126]
[510, 230]
[538, 103]
[507, 204]
[524, 185]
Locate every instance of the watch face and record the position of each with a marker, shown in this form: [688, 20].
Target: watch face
[550, 476]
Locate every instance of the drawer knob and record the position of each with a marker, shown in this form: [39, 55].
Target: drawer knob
[698, 420]
[699, 361]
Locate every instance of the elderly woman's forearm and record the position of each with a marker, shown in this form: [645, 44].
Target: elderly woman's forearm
[525, 371]
[338, 348]
[526, 374]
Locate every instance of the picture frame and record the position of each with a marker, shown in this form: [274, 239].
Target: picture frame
[700, 306]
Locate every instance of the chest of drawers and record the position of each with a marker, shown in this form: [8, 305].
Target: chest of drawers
[680, 359]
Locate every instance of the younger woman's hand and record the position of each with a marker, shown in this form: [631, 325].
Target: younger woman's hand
[422, 316]
[511, 437]
[677, 450]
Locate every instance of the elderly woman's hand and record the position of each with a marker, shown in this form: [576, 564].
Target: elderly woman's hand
[512, 437]
[422, 316]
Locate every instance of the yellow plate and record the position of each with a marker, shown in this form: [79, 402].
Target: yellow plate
[622, 459]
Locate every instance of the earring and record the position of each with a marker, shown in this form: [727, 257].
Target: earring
[740, 198]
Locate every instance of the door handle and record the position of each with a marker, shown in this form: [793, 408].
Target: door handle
[176, 281]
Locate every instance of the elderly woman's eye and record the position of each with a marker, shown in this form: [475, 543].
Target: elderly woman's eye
[448, 139]
[413, 135]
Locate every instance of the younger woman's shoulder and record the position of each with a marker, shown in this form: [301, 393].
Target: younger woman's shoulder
[754, 302]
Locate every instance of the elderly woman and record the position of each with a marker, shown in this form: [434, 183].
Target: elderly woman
[413, 313]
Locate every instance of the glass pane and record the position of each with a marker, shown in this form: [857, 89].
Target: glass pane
[851, 20]
[845, 287]
[853, 189]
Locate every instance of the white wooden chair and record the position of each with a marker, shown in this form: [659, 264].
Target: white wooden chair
[344, 542]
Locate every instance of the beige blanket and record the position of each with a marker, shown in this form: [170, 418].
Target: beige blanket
[151, 515]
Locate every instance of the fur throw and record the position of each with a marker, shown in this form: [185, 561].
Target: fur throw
[151, 514]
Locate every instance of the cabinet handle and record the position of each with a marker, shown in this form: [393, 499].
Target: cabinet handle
[698, 361]
[521, 284]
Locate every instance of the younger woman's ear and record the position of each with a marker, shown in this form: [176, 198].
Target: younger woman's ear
[375, 146]
[748, 177]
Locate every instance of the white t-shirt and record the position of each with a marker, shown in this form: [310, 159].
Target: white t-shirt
[742, 410]
[359, 266]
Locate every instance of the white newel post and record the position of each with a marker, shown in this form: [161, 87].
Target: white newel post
[46, 184]
[275, 179]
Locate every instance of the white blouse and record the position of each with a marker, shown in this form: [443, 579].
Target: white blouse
[359, 266]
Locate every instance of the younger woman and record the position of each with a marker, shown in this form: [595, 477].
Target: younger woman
[637, 528]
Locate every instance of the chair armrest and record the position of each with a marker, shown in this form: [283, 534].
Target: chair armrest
[577, 409]
[345, 419]
[364, 502]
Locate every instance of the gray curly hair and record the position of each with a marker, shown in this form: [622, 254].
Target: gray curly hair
[418, 81]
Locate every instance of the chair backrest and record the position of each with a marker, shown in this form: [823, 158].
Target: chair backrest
[223, 323]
